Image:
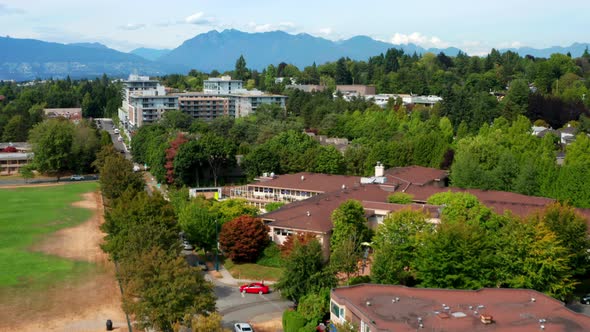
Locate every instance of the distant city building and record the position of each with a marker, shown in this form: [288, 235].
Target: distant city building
[307, 87]
[223, 85]
[72, 114]
[144, 101]
[356, 89]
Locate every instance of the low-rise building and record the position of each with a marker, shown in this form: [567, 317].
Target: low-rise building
[223, 85]
[380, 308]
[11, 162]
[72, 114]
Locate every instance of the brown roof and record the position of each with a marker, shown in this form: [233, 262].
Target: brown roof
[309, 182]
[499, 201]
[416, 174]
[320, 208]
[398, 308]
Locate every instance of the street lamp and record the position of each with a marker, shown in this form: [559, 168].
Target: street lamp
[216, 247]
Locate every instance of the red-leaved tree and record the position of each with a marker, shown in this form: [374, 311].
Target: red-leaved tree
[170, 154]
[244, 238]
[301, 238]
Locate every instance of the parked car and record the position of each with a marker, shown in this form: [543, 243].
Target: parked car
[76, 177]
[116, 131]
[243, 327]
[120, 139]
[585, 299]
[255, 287]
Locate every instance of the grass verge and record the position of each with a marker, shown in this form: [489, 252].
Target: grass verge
[253, 271]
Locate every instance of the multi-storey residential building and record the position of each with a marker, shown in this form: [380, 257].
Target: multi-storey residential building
[223, 85]
[225, 97]
[206, 106]
[248, 101]
[144, 101]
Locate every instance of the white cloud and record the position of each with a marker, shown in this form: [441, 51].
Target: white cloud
[418, 39]
[198, 18]
[5, 10]
[326, 31]
[283, 26]
[132, 26]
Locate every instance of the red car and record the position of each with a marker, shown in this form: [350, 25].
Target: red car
[255, 287]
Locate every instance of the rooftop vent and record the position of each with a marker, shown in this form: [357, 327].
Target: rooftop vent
[308, 213]
[302, 178]
[368, 304]
[533, 299]
[487, 319]
[458, 314]
[343, 187]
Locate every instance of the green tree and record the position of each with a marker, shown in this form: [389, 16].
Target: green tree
[52, 147]
[199, 226]
[461, 208]
[15, 130]
[207, 323]
[161, 290]
[176, 119]
[273, 206]
[241, 72]
[304, 272]
[219, 151]
[530, 256]
[328, 160]
[117, 176]
[349, 222]
[395, 245]
[458, 256]
[26, 172]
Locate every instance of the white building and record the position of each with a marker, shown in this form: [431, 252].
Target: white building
[223, 85]
[144, 101]
[246, 102]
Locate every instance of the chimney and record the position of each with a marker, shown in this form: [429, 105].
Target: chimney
[379, 169]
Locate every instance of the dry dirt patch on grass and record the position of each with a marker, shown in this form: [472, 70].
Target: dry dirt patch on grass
[80, 305]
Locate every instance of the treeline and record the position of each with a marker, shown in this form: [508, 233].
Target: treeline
[473, 248]
[22, 106]
[143, 240]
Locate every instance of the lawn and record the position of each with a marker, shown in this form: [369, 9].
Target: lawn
[26, 216]
[253, 271]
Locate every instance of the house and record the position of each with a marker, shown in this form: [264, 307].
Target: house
[380, 308]
[567, 135]
[72, 114]
[307, 87]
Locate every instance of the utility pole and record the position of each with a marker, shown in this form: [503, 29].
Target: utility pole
[216, 247]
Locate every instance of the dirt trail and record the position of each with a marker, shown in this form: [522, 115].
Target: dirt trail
[84, 305]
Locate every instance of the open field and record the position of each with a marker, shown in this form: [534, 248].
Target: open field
[27, 215]
[55, 277]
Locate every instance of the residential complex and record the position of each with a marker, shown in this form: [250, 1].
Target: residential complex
[380, 308]
[314, 196]
[144, 101]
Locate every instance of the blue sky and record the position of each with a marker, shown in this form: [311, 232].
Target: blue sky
[474, 26]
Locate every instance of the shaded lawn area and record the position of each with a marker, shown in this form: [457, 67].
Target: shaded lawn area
[253, 271]
[26, 216]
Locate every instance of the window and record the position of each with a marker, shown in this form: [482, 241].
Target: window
[336, 310]
[365, 327]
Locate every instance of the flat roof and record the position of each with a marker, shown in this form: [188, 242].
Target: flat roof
[400, 308]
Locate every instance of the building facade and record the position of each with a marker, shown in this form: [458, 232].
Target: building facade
[144, 101]
[223, 85]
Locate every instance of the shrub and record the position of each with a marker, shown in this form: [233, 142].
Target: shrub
[293, 321]
[271, 256]
[359, 280]
[400, 198]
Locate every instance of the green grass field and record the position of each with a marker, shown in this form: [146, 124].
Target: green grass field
[26, 216]
[253, 271]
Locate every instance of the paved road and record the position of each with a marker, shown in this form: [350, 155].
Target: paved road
[236, 307]
[107, 124]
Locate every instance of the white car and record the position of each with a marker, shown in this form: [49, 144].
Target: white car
[243, 327]
[116, 131]
[76, 177]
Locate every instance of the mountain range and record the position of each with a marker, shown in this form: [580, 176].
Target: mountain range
[26, 59]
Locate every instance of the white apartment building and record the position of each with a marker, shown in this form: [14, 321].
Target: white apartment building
[248, 101]
[144, 101]
[223, 85]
